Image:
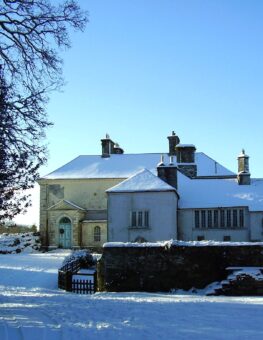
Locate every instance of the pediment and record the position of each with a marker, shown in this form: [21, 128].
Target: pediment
[65, 205]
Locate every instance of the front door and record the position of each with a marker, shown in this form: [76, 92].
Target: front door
[65, 233]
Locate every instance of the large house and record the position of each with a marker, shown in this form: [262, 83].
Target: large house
[181, 194]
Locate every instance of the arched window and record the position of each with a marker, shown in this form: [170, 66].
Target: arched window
[97, 234]
[64, 220]
[140, 239]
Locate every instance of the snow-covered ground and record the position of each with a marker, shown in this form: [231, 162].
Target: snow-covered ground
[31, 307]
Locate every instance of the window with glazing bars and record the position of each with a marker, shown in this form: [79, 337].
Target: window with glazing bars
[197, 221]
[215, 218]
[97, 234]
[140, 219]
[228, 218]
[203, 219]
[234, 218]
[241, 218]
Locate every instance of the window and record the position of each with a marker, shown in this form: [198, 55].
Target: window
[203, 219]
[97, 234]
[228, 218]
[64, 220]
[197, 221]
[209, 218]
[227, 238]
[140, 239]
[219, 218]
[235, 218]
[140, 219]
[222, 218]
[241, 218]
[200, 238]
[133, 219]
[215, 218]
[146, 218]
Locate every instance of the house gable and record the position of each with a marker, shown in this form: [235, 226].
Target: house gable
[65, 205]
[142, 181]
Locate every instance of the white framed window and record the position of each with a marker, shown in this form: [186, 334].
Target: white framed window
[97, 234]
[146, 218]
[216, 218]
[228, 218]
[219, 218]
[235, 218]
[203, 219]
[241, 218]
[197, 219]
[222, 218]
[140, 219]
[134, 219]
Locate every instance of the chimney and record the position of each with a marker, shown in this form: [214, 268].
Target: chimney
[186, 159]
[168, 173]
[117, 149]
[107, 146]
[173, 141]
[243, 176]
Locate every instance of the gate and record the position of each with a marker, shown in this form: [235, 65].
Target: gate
[74, 279]
[84, 284]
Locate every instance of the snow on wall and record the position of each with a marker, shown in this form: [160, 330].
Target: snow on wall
[172, 265]
[170, 243]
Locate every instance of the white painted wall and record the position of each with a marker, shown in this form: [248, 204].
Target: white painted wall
[256, 223]
[162, 207]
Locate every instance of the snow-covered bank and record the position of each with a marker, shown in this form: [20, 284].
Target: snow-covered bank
[17, 243]
[31, 307]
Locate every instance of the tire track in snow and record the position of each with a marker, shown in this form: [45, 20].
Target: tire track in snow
[12, 329]
[49, 331]
[3, 329]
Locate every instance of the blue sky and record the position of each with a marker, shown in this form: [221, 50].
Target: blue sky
[144, 68]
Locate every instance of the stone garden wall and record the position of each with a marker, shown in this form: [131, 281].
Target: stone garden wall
[177, 265]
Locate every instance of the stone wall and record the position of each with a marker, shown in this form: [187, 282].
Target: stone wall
[162, 268]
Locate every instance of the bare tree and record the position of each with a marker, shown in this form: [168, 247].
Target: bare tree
[32, 33]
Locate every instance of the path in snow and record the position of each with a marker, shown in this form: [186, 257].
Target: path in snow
[31, 307]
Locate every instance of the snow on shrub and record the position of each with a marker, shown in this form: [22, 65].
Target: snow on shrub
[17, 243]
[84, 256]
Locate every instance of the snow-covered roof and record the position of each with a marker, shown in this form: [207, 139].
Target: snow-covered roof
[143, 180]
[126, 165]
[210, 193]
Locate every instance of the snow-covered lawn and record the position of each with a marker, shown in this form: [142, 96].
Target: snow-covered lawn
[31, 307]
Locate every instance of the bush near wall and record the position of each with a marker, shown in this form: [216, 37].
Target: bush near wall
[174, 265]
